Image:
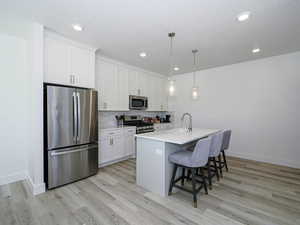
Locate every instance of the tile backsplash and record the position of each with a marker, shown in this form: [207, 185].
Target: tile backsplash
[107, 119]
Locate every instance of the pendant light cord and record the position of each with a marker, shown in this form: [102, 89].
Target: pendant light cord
[171, 35]
[194, 73]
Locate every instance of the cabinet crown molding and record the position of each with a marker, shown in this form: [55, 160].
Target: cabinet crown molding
[53, 35]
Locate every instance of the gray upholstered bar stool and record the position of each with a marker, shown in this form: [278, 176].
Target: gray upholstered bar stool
[215, 149]
[191, 161]
[225, 146]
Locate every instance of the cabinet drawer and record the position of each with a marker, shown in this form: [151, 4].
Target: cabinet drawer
[104, 134]
[129, 132]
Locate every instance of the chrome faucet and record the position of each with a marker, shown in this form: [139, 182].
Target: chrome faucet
[190, 128]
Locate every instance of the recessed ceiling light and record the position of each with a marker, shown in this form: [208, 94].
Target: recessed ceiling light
[176, 68]
[243, 16]
[77, 27]
[143, 54]
[255, 50]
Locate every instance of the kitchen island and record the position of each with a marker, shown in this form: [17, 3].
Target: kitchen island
[153, 170]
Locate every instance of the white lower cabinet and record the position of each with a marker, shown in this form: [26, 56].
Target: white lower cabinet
[129, 142]
[116, 144]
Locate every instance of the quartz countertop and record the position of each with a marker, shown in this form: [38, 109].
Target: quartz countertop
[178, 135]
[116, 127]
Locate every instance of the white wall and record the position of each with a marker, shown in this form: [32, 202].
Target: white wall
[259, 100]
[35, 137]
[14, 111]
[21, 97]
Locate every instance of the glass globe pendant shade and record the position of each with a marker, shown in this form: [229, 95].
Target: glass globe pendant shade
[195, 93]
[171, 88]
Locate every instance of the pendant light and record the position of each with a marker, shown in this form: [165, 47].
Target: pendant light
[195, 89]
[171, 88]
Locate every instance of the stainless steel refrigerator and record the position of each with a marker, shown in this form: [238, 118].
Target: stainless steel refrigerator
[71, 134]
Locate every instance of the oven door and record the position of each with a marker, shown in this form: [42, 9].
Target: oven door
[138, 102]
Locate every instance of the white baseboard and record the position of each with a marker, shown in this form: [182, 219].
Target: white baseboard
[266, 159]
[14, 177]
[35, 188]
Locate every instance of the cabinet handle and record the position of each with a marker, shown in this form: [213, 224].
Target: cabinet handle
[71, 79]
[139, 91]
[111, 141]
[104, 105]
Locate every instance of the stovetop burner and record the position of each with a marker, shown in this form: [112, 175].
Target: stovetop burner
[141, 126]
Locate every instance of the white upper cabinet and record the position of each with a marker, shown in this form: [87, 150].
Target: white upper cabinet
[112, 86]
[143, 85]
[157, 96]
[133, 83]
[138, 83]
[57, 62]
[163, 100]
[115, 82]
[68, 63]
[106, 85]
[123, 93]
[82, 65]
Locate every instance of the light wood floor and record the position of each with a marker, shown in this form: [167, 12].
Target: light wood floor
[250, 193]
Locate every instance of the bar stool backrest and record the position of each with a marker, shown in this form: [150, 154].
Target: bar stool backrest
[201, 151]
[216, 144]
[226, 139]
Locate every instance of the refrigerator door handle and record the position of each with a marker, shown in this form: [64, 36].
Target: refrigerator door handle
[78, 117]
[68, 152]
[74, 117]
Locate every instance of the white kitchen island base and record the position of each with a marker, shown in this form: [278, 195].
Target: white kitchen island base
[153, 170]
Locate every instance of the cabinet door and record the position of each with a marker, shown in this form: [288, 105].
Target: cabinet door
[106, 84]
[118, 148]
[123, 97]
[143, 88]
[57, 62]
[133, 82]
[82, 63]
[105, 150]
[129, 142]
[163, 104]
[152, 95]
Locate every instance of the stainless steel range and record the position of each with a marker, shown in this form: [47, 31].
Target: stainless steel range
[141, 126]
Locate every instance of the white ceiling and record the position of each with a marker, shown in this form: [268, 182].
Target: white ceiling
[121, 29]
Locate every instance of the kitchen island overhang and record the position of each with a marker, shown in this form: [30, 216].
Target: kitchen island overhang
[153, 170]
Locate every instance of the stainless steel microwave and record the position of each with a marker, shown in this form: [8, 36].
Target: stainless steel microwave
[138, 102]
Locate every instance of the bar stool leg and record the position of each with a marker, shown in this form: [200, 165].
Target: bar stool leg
[194, 187]
[209, 175]
[224, 159]
[204, 180]
[172, 179]
[216, 168]
[182, 177]
[220, 165]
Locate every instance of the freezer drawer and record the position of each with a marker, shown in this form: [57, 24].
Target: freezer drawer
[71, 164]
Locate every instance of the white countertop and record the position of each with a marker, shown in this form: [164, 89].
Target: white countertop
[178, 135]
[116, 127]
